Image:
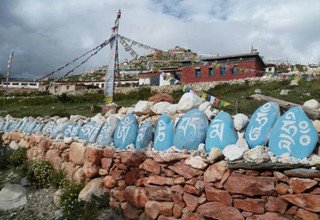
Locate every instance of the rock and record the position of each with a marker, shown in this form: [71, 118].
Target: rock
[25, 181]
[57, 198]
[169, 157]
[196, 162]
[191, 201]
[257, 91]
[189, 101]
[173, 109]
[258, 154]
[105, 136]
[250, 205]
[191, 130]
[312, 103]
[285, 92]
[129, 211]
[94, 187]
[12, 196]
[303, 173]
[275, 204]
[217, 195]
[160, 108]
[13, 145]
[159, 193]
[304, 200]
[137, 196]
[282, 188]
[144, 135]
[306, 215]
[90, 131]
[77, 153]
[132, 158]
[151, 166]
[126, 132]
[240, 121]
[268, 215]
[293, 133]
[109, 182]
[54, 158]
[218, 210]
[106, 163]
[163, 138]
[159, 180]
[233, 152]
[260, 124]
[204, 106]
[94, 155]
[154, 208]
[299, 185]
[314, 159]
[142, 108]
[316, 124]
[250, 185]
[215, 154]
[184, 170]
[221, 132]
[215, 172]
[161, 97]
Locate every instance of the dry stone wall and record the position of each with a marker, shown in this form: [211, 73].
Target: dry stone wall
[148, 185]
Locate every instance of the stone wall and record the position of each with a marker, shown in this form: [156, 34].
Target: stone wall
[148, 185]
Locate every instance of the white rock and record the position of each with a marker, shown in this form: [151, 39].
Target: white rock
[312, 103]
[258, 154]
[210, 114]
[233, 152]
[68, 140]
[62, 120]
[94, 187]
[143, 107]
[204, 106]
[130, 110]
[196, 162]
[240, 121]
[314, 159]
[189, 101]
[316, 124]
[294, 82]
[12, 196]
[120, 116]
[123, 110]
[97, 117]
[13, 145]
[241, 142]
[173, 109]
[258, 91]
[160, 107]
[284, 92]
[57, 198]
[215, 154]
[75, 118]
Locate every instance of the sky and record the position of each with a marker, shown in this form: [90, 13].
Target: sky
[46, 34]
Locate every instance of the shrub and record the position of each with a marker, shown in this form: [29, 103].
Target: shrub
[95, 108]
[5, 153]
[39, 173]
[57, 178]
[18, 156]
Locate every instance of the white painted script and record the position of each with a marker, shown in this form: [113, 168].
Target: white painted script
[161, 131]
[262, 120]
[124, 129]
[217, 129]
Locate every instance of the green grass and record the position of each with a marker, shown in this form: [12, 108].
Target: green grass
[43, 105]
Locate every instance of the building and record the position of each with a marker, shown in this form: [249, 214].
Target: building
[157, 78]
[223, 68]
[58, 88]
[20, 85]
[271, 68]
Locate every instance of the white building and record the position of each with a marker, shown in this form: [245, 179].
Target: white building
[20, 85]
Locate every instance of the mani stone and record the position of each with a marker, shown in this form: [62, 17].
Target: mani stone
[106, 134]
[144, 135]
[260, 124]
[126, 132]
[163, 138]
[72, 129]
[2, 123]
[221, 132]
[89, 131]
[191, 130]
[293, 133]
[49, 127]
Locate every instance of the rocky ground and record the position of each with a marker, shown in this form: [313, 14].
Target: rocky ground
[40, 203]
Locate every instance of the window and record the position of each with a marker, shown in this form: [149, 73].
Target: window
[211, 71]
[24, 84]
[67, 87]
[234, 70]
[222, 71]
[15, 84]
[198, 72]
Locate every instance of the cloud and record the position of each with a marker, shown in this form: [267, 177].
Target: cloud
[47, 34]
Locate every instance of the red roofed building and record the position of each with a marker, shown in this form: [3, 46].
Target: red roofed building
[223, 68]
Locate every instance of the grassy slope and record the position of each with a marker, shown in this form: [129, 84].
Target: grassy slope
[81, 104]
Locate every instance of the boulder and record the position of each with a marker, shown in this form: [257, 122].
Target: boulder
[94, 187]
[304, 200]
[258, 154]
[218, 210]
[240, 121]
[161, 97]
[312, 103]
[163, 138]
[189, 101]
[143, 107]
[293, 133]
[105, 136]
[144, 136]
[126, 132]
[204, 106]
[12, 196]
[233, 152]
[196, 162]
[160, 107]
[316, 124]
[215, 154]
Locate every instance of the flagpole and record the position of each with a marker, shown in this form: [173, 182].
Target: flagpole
[7, 79]
[116, 57]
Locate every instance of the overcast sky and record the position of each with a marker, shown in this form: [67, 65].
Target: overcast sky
[46, 34]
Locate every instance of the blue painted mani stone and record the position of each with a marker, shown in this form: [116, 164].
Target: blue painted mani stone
[72, 129]
[144, 135]
[25, 121]
[126, 132]
[260, 124]
[38, 126]
[2, 123]
[105, 136]
[89, 131]
[49, 127]
[221, 132]
[191, 130]
[293, 133]
[163, 137]
[59, 129]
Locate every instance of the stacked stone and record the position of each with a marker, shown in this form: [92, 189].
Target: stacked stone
[147, 185]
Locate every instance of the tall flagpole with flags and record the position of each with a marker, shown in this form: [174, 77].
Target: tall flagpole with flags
[113, 67]
[7, 78]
